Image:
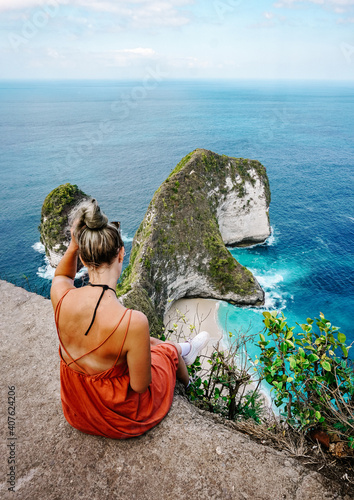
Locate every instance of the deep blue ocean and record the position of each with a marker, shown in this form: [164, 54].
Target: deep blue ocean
[118, 141]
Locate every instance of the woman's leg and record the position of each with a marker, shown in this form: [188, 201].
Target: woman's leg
[182, 372]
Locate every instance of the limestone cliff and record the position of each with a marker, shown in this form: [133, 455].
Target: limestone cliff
[53, 228]
[179, 249]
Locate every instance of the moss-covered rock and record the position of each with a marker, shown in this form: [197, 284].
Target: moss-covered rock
[179, 249]
[54, 232]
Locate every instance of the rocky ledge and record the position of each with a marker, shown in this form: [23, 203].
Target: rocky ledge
[188, 455]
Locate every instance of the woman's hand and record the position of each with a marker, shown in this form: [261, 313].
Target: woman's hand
[65, 272]
[74, 244]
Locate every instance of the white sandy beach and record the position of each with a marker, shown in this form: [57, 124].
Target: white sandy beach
[198, 313]
[202, 315]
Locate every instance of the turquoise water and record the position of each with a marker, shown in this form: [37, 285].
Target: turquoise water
[118, 145]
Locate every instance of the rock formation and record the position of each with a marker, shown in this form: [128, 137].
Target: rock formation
[54, 232]
[179, 249]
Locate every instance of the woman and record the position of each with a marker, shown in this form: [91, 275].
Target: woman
[116, 381]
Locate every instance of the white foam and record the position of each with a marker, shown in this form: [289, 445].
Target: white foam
[269, 281]
[83, 271]
[39, 247]
[273, 298]
[126, 238]
[271, 240]
[46, 271]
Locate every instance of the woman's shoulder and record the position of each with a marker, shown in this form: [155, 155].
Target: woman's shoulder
[138, 327]
[60, 286]
[138, 319]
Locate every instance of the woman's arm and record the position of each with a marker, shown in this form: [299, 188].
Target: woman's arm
[139, 353]
[65, 273]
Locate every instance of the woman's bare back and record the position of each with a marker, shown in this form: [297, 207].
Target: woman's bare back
[108, 328]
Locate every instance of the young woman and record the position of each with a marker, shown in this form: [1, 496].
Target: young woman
[116, 381]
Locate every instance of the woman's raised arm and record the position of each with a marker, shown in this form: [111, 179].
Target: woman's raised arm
[65, 272]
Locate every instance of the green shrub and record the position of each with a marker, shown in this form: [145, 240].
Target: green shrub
[224, 387]
[311, 375]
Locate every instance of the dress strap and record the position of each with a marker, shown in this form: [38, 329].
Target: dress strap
[56, 315]
[125, 336]
[104, 288]
[105, 340]
[74, 361]
[57, 309]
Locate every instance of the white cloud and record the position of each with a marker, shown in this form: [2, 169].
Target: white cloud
[338, 6]
[139, 51]
[5, 5]
[268, 15]
[124, 57]
[54, 54]
[136, 12]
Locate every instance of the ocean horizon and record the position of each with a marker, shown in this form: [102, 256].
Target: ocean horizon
[119, 140]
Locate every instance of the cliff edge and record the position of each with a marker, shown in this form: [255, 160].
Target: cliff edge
[188, 455]
[179, 250]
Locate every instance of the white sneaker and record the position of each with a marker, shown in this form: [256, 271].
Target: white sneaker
[197, 345]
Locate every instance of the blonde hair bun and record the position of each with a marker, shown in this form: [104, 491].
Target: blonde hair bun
[99, 242]
[93, 217]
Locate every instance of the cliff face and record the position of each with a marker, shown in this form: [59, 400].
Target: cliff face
[243, 214]
[179, 249]
[53, 228]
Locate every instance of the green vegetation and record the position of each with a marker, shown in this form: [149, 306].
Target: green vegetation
[224, 388]
[311, 374]
[180, 165]
[222, 383]
[180, 235]
[54, 216]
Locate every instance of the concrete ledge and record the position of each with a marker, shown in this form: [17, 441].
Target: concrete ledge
[188, 455]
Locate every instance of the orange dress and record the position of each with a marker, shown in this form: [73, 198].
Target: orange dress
[104, 404]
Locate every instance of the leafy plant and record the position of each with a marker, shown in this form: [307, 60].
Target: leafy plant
[225, 387]
[221, 382]
[311, 374]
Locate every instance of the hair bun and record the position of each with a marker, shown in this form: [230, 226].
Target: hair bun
[88, 214]
[93, 217]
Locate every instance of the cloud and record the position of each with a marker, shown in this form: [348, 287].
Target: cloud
[134, 12]
[139, 51]
[268, 15]
[5, 5]
[338, 6]
[124, 57]
[348, 20]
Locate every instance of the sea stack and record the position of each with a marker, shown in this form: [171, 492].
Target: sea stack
[179, 250]
[54, 230]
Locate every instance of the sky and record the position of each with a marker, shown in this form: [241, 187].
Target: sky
[177, 39]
